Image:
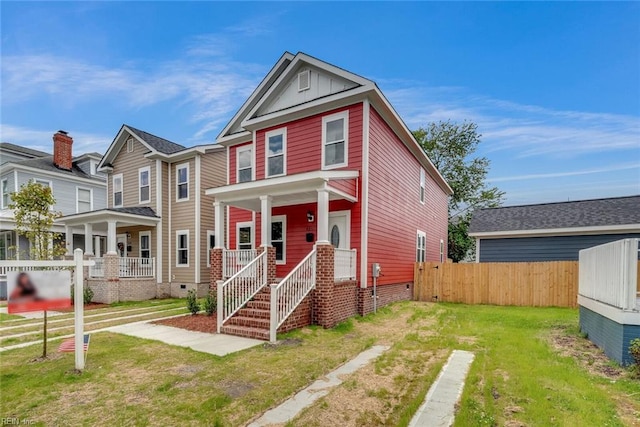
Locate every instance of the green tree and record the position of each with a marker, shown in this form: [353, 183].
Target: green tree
[451, 147]
[32, 211]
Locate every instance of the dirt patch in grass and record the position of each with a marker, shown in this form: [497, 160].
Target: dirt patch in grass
[197, 322]
[586, 353]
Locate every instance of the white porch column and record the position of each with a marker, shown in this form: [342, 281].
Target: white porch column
[219, 224]
[265, 220]
[323, 216]
[68, 240]
[96, 247]
[88, 239]
[111, 238]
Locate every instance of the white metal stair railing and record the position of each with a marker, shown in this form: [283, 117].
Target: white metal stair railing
[235, 260]
[289, 293]
[234, 293]
[344, 264]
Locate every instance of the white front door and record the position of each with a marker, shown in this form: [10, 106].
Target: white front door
[121, 245]
[339, 230]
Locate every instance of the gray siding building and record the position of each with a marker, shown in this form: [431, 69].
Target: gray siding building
[552, 231]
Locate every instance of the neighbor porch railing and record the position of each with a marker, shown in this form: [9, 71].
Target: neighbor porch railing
[289, 293]
[97, 270]
[241, 287]
[136, 267]
[234, 260]
[608, 273]
[344, 264]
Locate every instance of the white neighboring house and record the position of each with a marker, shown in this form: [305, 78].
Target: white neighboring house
[76, 183]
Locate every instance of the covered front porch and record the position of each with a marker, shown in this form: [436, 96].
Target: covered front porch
[129, 270]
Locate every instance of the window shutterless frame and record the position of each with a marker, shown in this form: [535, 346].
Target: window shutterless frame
[144, 185]
[211, 243]
[275, 151]
[84, 199]
[182, 248]
[423, 184]
[421, 246]
[4, 187]
[144, 238]
[279, 237]
[182, 182]
[244, 164]
[117, 186]
[335, 140]
[244, 235]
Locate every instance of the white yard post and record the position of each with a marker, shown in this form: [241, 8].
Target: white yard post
[78, 309]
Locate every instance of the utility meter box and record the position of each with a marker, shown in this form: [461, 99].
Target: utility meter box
[375, 269]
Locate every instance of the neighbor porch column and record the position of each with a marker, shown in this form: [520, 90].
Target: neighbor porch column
[265, 220]
[219, 224]
[111, 238]
[96, 247]
[323, 216]
[88, 239]
[68, 240]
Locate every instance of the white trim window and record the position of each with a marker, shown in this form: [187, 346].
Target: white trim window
[144, 185]
[211, 243]
[182, 248]
[84, 199]
[441, 250]
[421, 246]
[43, 182]
[244, 164]
[423, 185]
[5, 193]
[279, 238]
[7, 251]
[182, 182]
[116, 186]
[335, 140]
[244, 235]
[145, 244]
[276, 152]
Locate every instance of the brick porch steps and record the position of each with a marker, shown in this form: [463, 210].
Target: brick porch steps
[251, 321]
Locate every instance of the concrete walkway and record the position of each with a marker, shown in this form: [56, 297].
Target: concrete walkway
[438, 409]
[218, 344]
[291, 407]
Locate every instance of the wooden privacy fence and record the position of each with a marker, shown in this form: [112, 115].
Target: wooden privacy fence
[537, 284]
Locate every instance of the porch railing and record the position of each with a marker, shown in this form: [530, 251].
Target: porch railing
[289, 293]
[97, 270]
[134, 267]
[234, 293]
[234, 260]
[344, 264]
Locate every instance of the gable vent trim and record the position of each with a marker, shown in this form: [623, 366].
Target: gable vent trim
[304, 80]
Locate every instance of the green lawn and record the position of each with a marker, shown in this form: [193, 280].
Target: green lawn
[5, 316]
[517, 378]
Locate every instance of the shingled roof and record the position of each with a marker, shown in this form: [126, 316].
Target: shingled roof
[159, 144]
[24, 150]
[46, 164]
[581, 213]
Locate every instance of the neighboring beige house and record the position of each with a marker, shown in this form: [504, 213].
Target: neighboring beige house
[159, 222]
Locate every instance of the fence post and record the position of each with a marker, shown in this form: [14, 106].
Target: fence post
[78, 309]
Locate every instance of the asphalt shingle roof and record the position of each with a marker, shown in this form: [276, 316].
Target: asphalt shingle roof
[46, 163]
[135, 210]
[25, 150]
[581, 213]
[160, 144]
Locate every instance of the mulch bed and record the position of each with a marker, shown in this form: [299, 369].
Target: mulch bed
[198, 322]
[90, 306]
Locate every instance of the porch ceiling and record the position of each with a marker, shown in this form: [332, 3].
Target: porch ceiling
[286, 190]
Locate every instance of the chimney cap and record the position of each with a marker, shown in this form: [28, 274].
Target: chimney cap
[64, 132]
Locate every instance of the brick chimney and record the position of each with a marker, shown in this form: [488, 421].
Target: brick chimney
[62, 150]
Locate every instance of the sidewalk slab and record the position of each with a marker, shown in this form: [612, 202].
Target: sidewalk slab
[217, 344]
[293, 406]
[438, 409]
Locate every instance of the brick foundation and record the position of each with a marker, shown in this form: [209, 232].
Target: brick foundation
[108, 291]
[300, 317]
[345, 300]
[216, 269]
[323, 307]
[387, 294]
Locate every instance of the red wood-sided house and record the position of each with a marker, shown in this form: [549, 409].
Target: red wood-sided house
[324, 182]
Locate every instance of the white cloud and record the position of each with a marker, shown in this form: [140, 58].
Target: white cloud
[42, 139]
[613, 168]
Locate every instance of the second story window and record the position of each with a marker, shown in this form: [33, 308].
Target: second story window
[423, 184]
[144, 193]
[245, 164]
[5, 193]
[335, 140]
[42, 182]
[117, 190]
[276, 142]
[83, 200]
[182, 182]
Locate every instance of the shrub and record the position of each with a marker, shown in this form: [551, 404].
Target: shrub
[210, 304]
[192, 302]
[87, 295]
[634, 351]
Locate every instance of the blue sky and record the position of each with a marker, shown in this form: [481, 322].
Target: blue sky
[554, 87]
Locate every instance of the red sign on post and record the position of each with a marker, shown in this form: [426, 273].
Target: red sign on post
[38, 290]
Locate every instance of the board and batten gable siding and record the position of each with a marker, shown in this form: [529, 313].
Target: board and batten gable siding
[395, 211]
[128, 164]
[551, 248]
[64, 191]
[183, 218]
[213, 174]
